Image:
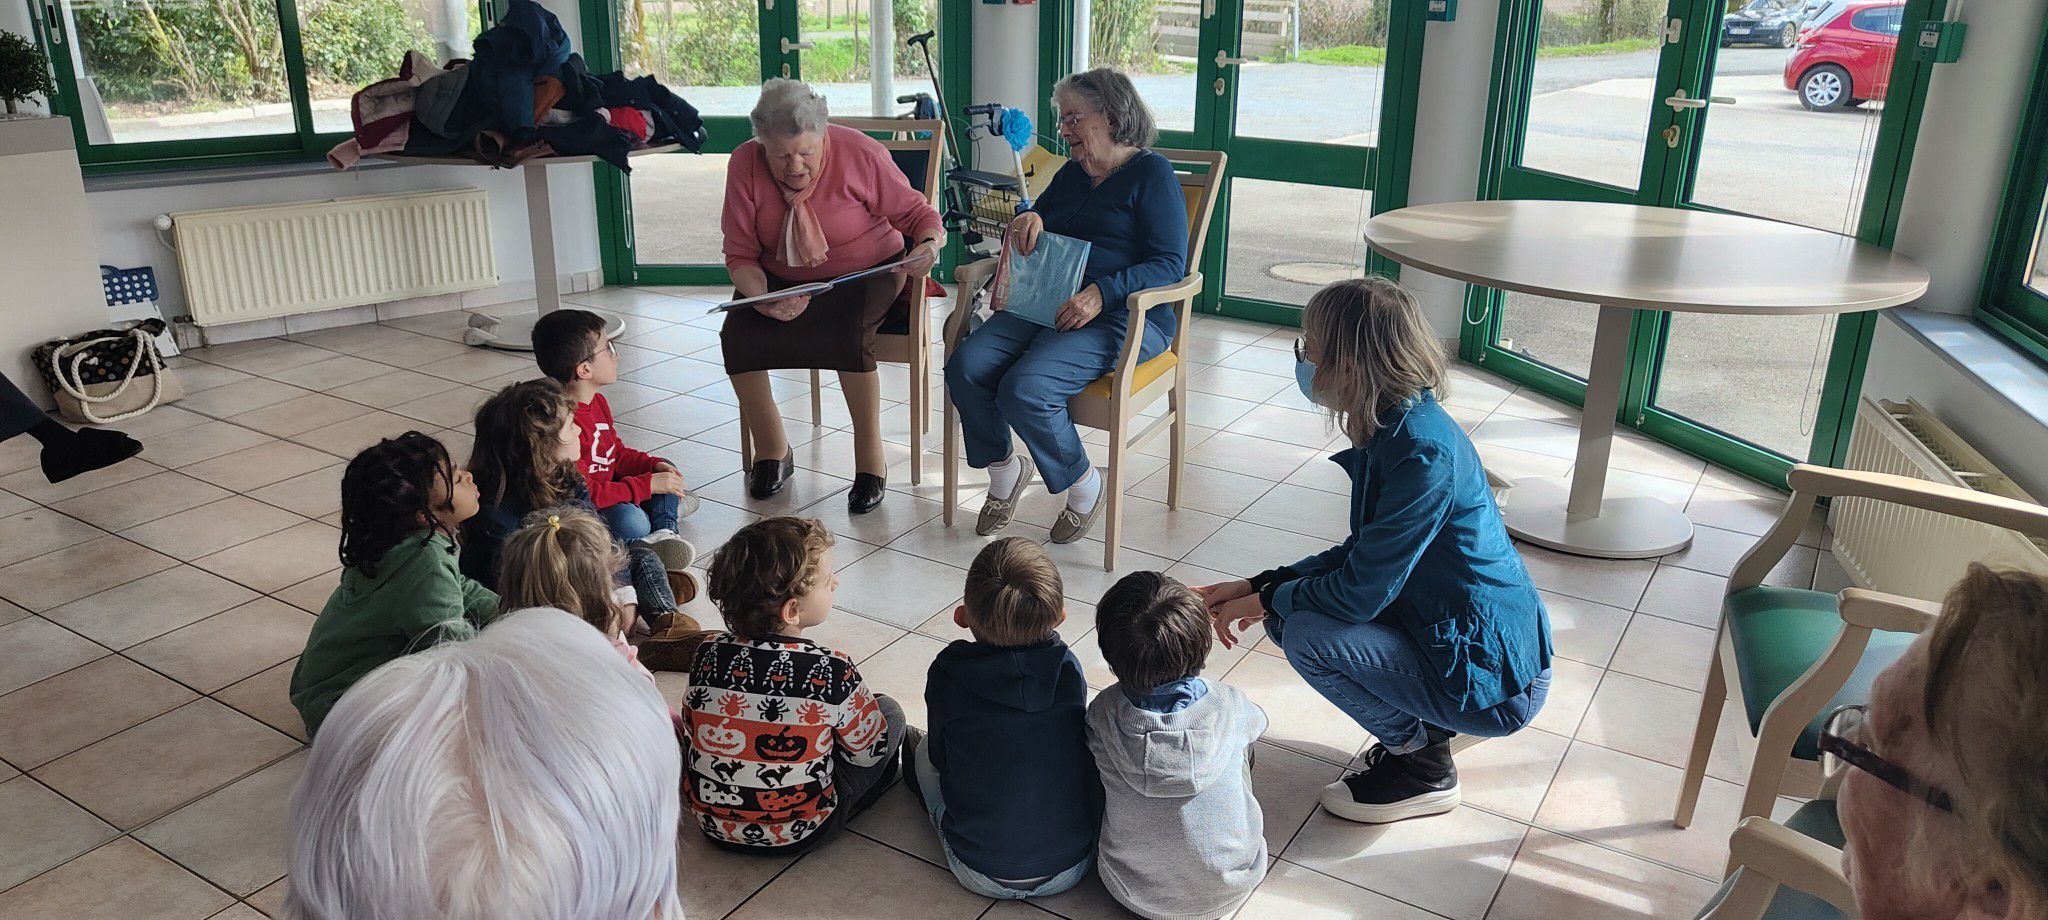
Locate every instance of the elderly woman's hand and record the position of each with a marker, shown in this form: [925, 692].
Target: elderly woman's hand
[921, 259]
[1024, 230]
[1079, 309]
[786, 309]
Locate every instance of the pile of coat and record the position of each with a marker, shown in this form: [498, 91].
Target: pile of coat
[524, 94]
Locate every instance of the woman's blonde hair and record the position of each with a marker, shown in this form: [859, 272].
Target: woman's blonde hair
[1373, 350]
[562, 557]
[1986, 709]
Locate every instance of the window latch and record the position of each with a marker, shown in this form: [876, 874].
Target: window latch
[53, 24]
[1674, 31]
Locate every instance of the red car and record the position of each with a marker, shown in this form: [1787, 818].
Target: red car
[1844, 55]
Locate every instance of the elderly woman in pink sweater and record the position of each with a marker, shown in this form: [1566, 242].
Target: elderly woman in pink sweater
[809, 201]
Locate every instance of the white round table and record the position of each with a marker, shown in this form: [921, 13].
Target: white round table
[1625, 258]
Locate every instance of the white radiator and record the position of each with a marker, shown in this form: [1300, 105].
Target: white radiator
[1912, 552]
[240, 264]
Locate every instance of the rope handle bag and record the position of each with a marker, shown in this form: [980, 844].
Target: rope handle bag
[79, 350]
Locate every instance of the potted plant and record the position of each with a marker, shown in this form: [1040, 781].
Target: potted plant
[23, 71]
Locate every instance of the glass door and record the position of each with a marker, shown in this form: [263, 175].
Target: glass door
[1765, 107]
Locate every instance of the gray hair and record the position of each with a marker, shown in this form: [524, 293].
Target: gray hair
[788, 108]
[528, 773]
[1108, 91]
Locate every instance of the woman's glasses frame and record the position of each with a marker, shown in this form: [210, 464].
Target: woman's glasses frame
[1836, 743]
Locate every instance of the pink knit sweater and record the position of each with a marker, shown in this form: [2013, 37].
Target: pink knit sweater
[863, 202]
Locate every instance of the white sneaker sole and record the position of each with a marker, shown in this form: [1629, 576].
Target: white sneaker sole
[1337, 799]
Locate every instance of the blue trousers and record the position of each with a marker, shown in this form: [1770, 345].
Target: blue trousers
[1015, 374]
[630, 522]
[1378, 676]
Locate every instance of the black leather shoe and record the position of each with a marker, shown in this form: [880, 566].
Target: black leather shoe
[866, 493]
[1393, 786]
[768, 477]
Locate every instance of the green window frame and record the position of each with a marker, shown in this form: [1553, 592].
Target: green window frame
[302, 143]
[2009, 305]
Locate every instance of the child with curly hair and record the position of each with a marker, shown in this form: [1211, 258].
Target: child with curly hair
[400, 591]
[786, 742]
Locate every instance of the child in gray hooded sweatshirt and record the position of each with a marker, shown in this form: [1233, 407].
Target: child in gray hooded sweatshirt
[1182, 836]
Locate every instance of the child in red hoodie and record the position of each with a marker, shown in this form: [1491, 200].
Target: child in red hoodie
[640, 496]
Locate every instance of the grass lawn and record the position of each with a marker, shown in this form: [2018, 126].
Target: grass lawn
[1348, 55]
[1618, 46]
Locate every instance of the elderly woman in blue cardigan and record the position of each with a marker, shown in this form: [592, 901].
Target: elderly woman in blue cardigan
[1423, 623]
[1013, 374]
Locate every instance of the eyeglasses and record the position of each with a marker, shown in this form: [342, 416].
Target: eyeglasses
[1843, 740]
[606, 349]
[1070, 119]
[1300, 349]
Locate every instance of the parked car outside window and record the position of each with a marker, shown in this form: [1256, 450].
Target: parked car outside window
[1844, 56]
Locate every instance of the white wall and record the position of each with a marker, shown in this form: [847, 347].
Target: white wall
[1450, 127]
[1005, 70]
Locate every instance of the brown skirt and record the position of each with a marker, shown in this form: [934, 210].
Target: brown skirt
[835, 333]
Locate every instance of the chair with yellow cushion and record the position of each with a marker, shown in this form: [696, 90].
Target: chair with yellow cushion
[1114, 401]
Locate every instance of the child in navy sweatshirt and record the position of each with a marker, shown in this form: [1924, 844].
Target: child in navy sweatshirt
[1005, 771]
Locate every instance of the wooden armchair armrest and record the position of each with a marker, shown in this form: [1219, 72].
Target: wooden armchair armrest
[1888, 612]
[966, 280]
[2027, 518]
[1140, 301]
[1792, 859]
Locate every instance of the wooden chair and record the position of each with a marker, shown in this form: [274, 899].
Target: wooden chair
[1113, 402]
[1796, 654]
[907, 342]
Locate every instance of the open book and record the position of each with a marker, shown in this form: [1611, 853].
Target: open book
[810, 289]
[1034, 287]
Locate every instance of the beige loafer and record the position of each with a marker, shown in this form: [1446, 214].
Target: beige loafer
[997, 512]
[1073, 525]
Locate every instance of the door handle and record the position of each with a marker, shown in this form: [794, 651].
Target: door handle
[788, 46]
[53, 24]
[1680, 101]
[1224, 60]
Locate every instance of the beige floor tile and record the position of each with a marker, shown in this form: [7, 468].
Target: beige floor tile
[122, 880]
[30, 484]
[271, 899]
[1550, 439]
[858, 636]
[856, 877]
[198, 376]
[1081, 571]
[445, 409]
[1685, 595]
[476, 364]
[1151, 527]
[9, 613]
[241, 396]
[150, 606]
[392, 388]
[899, 671]
[713, 881]
[1673, 492]
[366, 338]
[204, 441]
[1713, 550]
[1257, 457]
[1738, 511]
[1244, 549]
[899, 820]
[1509, 776]
[681, 375]
[1205, 489]
[1302, 720]
[263, 356]
[1302, 510]
[279, 560]
[294, 416]
[12, 504]
[1666, 650]
[1615, 582]
[210, 529]
[266, 698]
[1643, 456]
[19, 454]
[326, 376]
[238, 912]
[1291, 892]
[1238, 384]
[310, 494]
[32, 533]
[142, 500]
[1288, 426]
[1472, 388]
[237, 838]
[255, 467]
[43, 831]
[1450, 864]
[222, 649]
[1288, 786]
[157, 422]
[1526, 403]
[897, 515]
[459, 443]
[191, 751]
[1571, 691]
[1556, 876]
[49, 719]
[897, 588]
[1625, 802]
[311, 595]
[1512, 464]
[1583, 630]
[39, 649]
[346, 439]
[681, 416]
[676, 340]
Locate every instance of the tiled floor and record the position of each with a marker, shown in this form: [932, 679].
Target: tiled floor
[152, 612]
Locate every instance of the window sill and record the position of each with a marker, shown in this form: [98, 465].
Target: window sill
[246, 172]
[1981, 356]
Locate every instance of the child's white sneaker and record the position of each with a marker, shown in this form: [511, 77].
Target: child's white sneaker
[687, 504]
[675, 552]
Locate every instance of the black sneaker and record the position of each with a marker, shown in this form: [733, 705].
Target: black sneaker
[1393, 787]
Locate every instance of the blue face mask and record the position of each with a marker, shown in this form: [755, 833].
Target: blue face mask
[1305, 377]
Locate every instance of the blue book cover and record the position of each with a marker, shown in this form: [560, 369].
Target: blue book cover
[1033, 287]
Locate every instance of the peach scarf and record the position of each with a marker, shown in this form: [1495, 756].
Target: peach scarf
[803, 238]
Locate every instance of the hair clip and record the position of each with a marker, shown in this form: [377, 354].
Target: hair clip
[554, 522]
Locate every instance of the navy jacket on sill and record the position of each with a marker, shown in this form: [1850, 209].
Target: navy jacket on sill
[1008, 735]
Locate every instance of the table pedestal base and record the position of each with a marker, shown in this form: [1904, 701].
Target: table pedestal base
[1628, 527]
[514, 331]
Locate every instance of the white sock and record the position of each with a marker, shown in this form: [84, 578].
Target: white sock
[1082, 495]
[1003, 476]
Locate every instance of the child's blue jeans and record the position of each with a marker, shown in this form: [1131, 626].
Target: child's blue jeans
[935, 805]
[631, 522]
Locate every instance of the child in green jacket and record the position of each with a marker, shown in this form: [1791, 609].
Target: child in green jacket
[400, 591]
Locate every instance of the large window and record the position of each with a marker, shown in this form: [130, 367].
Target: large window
[187, 82]
[2015, 300]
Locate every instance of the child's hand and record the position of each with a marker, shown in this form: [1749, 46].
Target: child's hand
[1224, 592]
[669, 482]
[1234, 617]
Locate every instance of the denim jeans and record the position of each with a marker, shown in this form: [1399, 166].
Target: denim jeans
[1015, 374]
[630, 522]
[1378, 676]
[928, 786]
